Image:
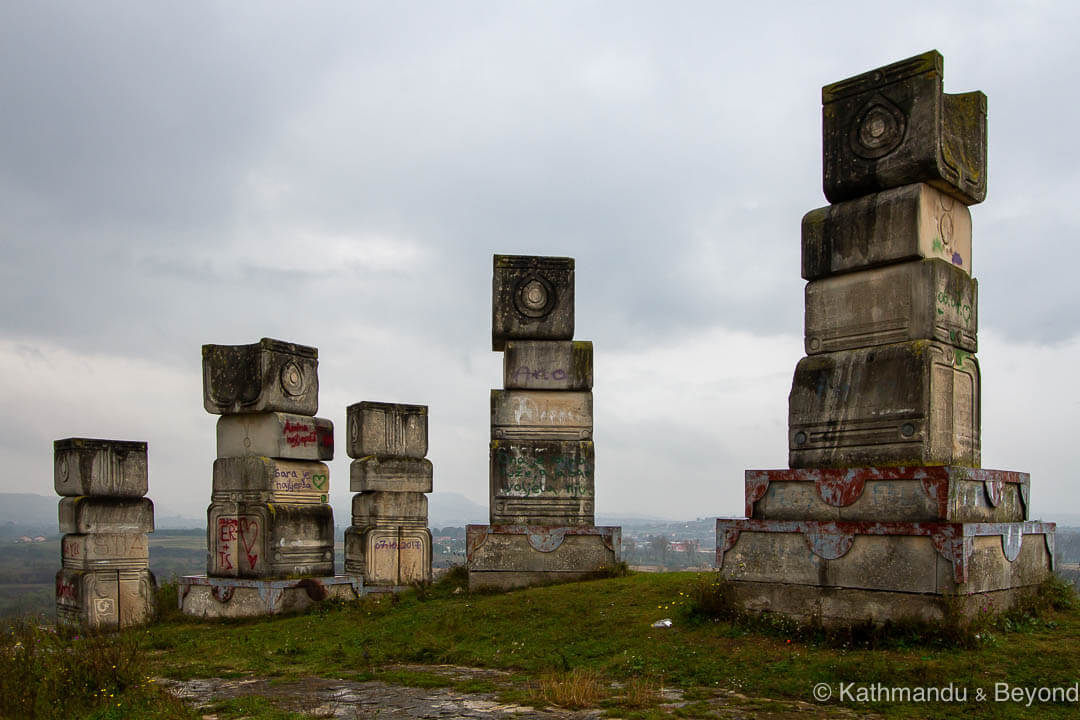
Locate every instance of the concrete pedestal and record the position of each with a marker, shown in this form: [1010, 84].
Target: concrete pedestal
[210, 597]
[504, 557]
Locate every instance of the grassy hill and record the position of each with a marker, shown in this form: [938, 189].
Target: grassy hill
[587, 644]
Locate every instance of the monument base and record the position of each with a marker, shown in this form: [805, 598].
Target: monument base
[212, 597]
[850, 572]
[504, 557]
[837, 607]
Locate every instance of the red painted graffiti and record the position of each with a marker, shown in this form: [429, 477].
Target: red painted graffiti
[249, 533]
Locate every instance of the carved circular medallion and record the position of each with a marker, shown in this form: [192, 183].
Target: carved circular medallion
[534, 296]
[800, 438]
[292, 379]
[62, 468]
[907, 429]
[945, 230]
[354, 430]
[877, 129]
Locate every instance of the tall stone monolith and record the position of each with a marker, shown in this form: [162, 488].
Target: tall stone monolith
[105, 580]
[885, 512]
[541, 455]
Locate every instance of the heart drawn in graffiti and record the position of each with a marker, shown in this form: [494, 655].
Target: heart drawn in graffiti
[319, 481]
[249, 533]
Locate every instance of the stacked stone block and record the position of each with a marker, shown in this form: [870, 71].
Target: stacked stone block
[389, 542]
[541, 453]
[885, 511]
[269, 515]
[105, 579]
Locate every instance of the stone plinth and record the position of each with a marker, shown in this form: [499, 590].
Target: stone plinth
[532, 299]
[911, 494]
[106, 515]
[504, 557]
[267, 376]
[390, 555]
[104, 599]
[263, 479]
[210, 597]
[387, 429]
[287, 436]
[928, 558]
[912, 222]
[548, 365]
[914, 403]
[895, 303]
[397, 508]
[102, 468]
[391, 474]
[895, 126]
[269, 540]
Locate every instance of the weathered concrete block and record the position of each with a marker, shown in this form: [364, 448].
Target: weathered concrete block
[541, 415]
[105, 551]
[906, 223]
[267, 376]
[510, 556]
[914, 403]
[106, 515]
[269, 540]
[389, 556]
[263, 479]
[104, 599]
[101, 468]
[938, 558]
[276, 435]
[393, 474]
[542, 482]
[532, 299]
[390, 508]
[833, 607]
[894, 126]
[548, 365]
[208, 597]
[387, 429]
[888, 494]
[927, 300]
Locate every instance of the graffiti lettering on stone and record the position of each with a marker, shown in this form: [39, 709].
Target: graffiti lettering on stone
[300, 434]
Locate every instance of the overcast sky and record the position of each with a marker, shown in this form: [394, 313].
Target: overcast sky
[340, 175]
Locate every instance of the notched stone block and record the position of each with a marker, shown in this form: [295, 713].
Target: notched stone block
[263, 479]
[913, 403]
[105, 599]
[888, 494]
[922, 300]
[541, 415]
[548, 365]
[267, 376]
[894, 126]
[532, 299]
[387, 429]
[277, 435]
[105, 551]
[208, 597]
[106, 515]
[389, 556]
[101, 468]
[393, 474]
[390, 508]
[503, 557]
[912, 222]
[269, 540]
[542, 482]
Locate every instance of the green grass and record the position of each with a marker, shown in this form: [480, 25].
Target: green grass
[554, 639]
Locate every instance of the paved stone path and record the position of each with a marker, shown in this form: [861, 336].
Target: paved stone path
[350, 700]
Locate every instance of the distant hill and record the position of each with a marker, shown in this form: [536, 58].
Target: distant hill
[450, 509]
[23, 513]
